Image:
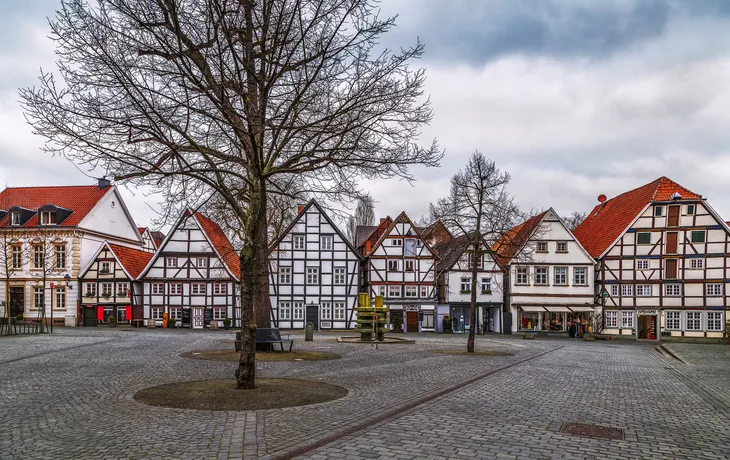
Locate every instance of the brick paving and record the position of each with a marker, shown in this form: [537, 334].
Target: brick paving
[70, 395]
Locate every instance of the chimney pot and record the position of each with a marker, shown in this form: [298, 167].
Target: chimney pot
[103, 183]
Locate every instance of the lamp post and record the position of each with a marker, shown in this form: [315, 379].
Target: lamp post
[52, 296]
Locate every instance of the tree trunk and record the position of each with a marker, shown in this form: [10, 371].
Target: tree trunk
[473, 304]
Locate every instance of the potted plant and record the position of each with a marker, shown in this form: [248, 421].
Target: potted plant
[486, 291]
[171, 322]
[19, 317]
[227, 323]
[112, 321]
[397, 324]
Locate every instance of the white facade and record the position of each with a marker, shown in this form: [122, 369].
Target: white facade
[314, 274]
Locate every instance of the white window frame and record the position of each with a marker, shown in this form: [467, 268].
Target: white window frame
[673, 320]
[38, 298]
[122, 289]
[627, 319]
[673, 290]
[411, 292]
[696, 264]
[175, 288]
[298, 311]
[105, 267]
[627, 290]
[219, 288]
[326, 309]
[201, 262]
[396, 242]
[171, 262]
[158, 289]
[539, 273]
[643, 290]
[90, 289]
[16, 256]
[642, 264]
[107, 290]
[611, 318]
[713, 289]
[381, 290]
[285, 311]
[325, 242]
[560, 276]
[693, 321]
[694, 209]
[339, 311]
[285, 275]
[410, 266]
[465, 284]
[715, 321]
[522, 272]
[564, 244]
[157, 313]
[580, 273]
[299, 242]
[541, 247]
[175, 312]
[394, 292]
[60, 293]
[424, 292]
[15, 218]
[60, 253]
[394, 265]
[46, 218]
[38, 257]
[313, 276]
[658, 211]
[486, 285]
[219, 313]
[197, 288]
[339, 275]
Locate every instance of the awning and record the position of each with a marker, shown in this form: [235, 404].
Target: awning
[583, 308]
[557, 309]
[532, 309]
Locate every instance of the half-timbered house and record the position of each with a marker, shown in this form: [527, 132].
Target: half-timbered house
[662, 255]
[109, 285]
[548, 276]
[314, 273]
[401, 267]
[193, 276]
[454, 276]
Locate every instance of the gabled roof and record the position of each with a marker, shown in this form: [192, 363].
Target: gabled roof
[220, 242]
[362, 232]
[609, 220]
[374, 236]
[80, 200]
[133, 261]
[514, 239]
[302, 212]
[450, 252]
[436, 233]
[381, 232]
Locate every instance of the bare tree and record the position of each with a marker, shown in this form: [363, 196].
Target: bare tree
[221, 97]
[48, 257]
[364, 215]
[13, 257]
[572, 221]
[479, 206]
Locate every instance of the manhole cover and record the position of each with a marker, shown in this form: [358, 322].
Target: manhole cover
[592, 431]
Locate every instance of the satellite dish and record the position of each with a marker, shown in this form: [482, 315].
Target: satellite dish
[602, 198]
[676, 196]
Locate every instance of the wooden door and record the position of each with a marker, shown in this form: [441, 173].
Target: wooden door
[412, 321]
[198, 318]
[672, 242]
[671, 265]
[90, 316]
[673, 216]
[17, 300]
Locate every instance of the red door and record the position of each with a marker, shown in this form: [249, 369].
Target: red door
[672, 243]
[673, 216]
[412, 321]
[671, 265]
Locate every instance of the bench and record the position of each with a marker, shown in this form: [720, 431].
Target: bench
[266, 337]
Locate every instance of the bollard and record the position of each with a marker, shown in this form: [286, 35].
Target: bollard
[309, 332]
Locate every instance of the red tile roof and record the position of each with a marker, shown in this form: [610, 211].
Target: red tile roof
[221, 243]
[79, 199]
[375, 235]
[133, 260]
[141, 230]
[607, 221]
[511, 241]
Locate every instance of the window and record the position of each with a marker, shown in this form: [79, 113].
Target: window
[171, 262]
[298, 242]
[48, 218]
[339, 311]
[614, 290]
[698, 236]
[122, 289]
[627, 290]
[714, 321]
[627, 319]
[693, 321]
[38, 297]
[394, 291]
[611, 318]
[486, 285]
[465, 285]
[17, 257]
[285, 310]
[396, 242]
[325, 243]
[411, 291]
[219, 288]
[696, 263]
[219, 313]
[106, 290]
[284, 275]
[673, 290]
[158, 288]
[541, 275]
[38, 258]
[522, 276]
[89, 289]
[579, 276]
[176, 289]
[542, 246]
[157, 312]
[175, 312]
[424, 292]
[674, 320]
[642, 264]
[643, 290]
[201, 262]
[393, 266]
[105, 267]
[60, 298]
[561, 276]
[339, 275]
[381, 291]
[690, 209]
[298, 311]
[643, 238]
[198, 288]
[562, 246]
[326, 311]
[60, 256]
[15, 218]
[312, 275]
[714, 289]
[409, 265]
[658, 211]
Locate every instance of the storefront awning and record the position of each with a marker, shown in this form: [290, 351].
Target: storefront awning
[532, 309]
[557, 309]
[583, 308]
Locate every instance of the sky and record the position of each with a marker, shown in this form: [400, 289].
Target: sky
[574, 98]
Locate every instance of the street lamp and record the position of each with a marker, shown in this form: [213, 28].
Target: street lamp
[67, 280]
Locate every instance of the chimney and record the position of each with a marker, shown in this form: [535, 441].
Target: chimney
[103, 183]
[368, 246]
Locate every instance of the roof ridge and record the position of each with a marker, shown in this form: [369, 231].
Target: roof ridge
[55, 186]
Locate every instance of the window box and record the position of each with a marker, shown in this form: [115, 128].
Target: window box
[465, 292]
[487, 292]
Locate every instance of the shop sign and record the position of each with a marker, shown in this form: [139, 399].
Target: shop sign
[652, 312]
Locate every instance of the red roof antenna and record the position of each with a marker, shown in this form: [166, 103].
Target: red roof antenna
[602, 198]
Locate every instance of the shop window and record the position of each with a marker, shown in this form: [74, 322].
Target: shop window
[674, 320]
[529, 321]
[427, 321]
[611, 318]
[553, 321]
[693, 321]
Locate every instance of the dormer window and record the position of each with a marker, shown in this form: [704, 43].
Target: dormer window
[15, 218]
[48, 218]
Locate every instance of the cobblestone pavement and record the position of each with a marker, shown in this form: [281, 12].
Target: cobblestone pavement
[70, 395]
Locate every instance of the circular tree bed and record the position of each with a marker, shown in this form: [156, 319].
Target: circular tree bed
[474, 353]
[233, 355]
[222, 395]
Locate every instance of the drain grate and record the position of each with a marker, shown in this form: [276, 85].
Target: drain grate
[592, 431]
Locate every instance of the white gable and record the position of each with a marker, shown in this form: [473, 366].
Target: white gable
[110, 217]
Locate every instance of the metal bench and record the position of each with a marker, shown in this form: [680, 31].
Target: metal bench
[266, 337]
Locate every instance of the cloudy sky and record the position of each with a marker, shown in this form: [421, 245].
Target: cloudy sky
[573, 97]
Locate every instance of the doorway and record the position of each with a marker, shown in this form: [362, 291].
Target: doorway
[17, 300]
[198, 318]
[647, 327]
[312, 316]
[90, 316]
[411, 321]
